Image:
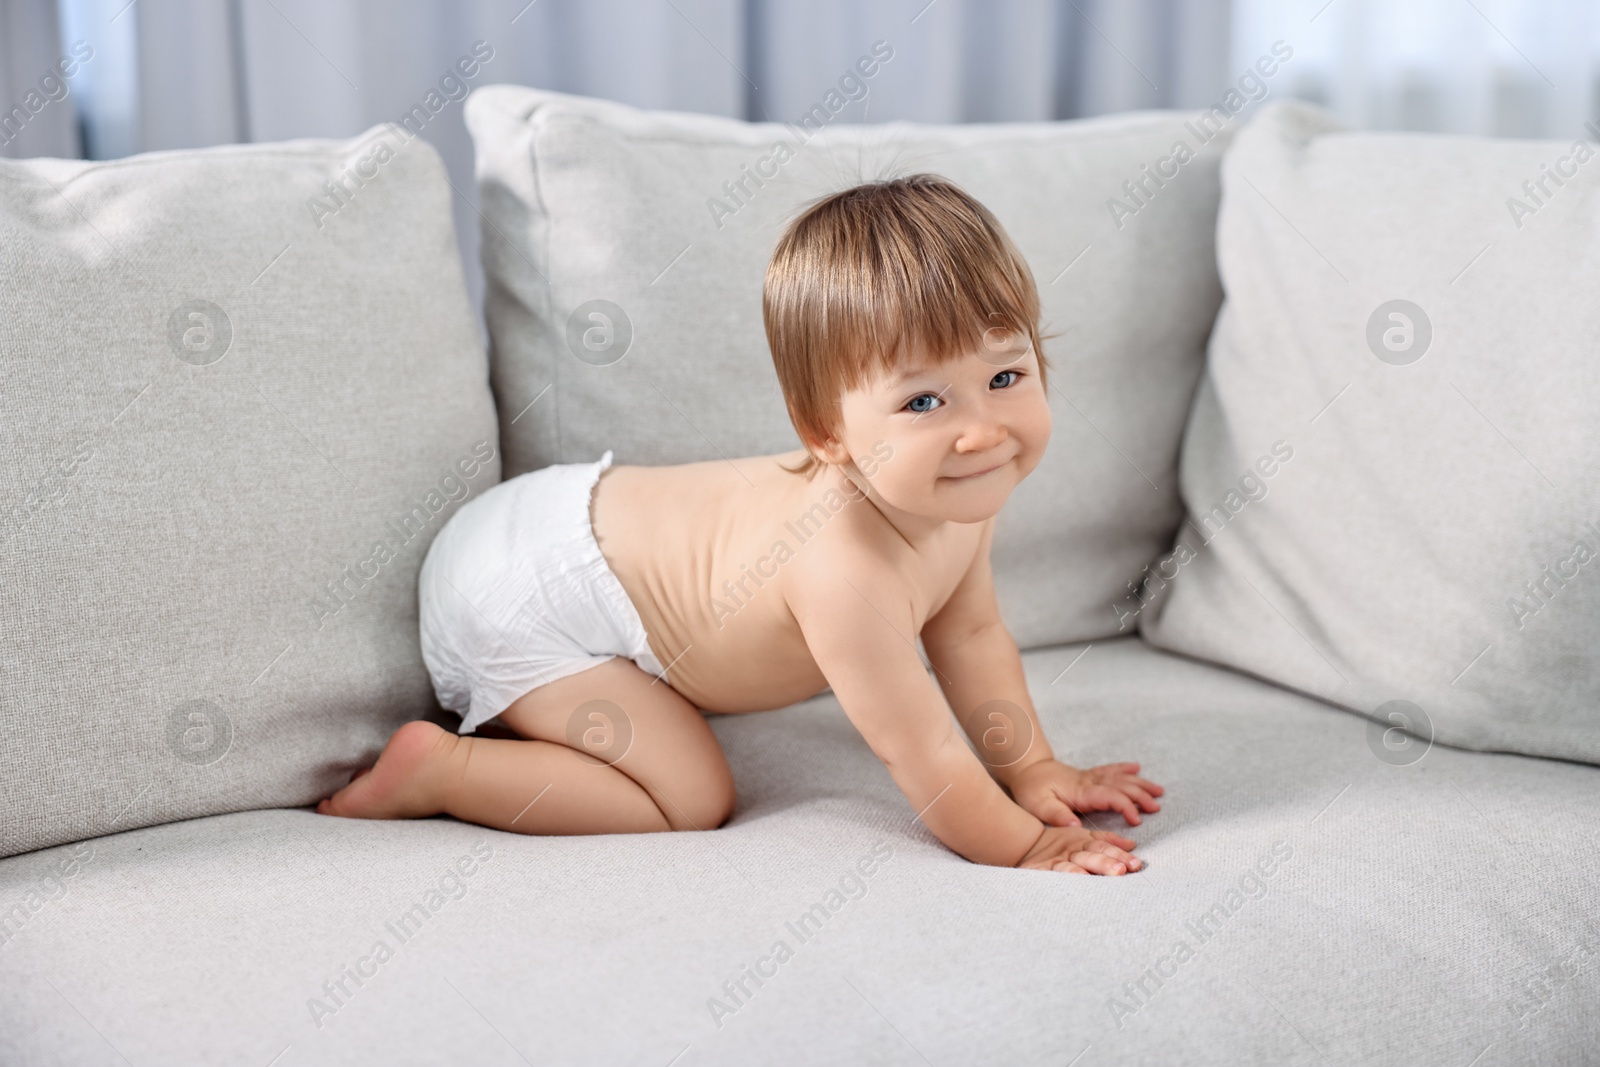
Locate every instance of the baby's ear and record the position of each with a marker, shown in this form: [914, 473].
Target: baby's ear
[830, 450]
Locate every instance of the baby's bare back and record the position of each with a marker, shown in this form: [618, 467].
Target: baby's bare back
[703, 550]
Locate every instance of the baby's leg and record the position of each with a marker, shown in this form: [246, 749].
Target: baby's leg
[659, 766]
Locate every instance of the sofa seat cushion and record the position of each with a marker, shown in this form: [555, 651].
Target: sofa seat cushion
[1332, 903]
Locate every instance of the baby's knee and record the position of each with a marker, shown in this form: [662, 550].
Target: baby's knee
[721, 804]
[706, 807]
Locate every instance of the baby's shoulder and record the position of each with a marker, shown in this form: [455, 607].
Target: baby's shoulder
[853, 550]
[867, 558]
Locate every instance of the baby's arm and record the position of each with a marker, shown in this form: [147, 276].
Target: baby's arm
[858, 624]
[980, 670]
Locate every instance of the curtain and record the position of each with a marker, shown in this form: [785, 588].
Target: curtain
[39, 117]
[190, 73]
[1503, 68]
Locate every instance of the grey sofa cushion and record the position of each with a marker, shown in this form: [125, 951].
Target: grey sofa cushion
[589, 201]
[234, 411]
[1336, 907]
[1391, 465]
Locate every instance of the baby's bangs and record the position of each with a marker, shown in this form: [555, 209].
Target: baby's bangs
[930, 278]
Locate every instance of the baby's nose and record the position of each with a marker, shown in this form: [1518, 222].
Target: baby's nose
[981, 435]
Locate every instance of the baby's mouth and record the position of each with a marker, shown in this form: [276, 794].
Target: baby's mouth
[978, 473]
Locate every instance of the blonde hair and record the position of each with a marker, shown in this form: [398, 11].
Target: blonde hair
[864, 277]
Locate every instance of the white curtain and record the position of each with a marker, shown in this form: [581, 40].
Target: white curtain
[1504, 68]
[190, 73]
[39, 117]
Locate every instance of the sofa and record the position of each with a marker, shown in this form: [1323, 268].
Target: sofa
[1313, 543]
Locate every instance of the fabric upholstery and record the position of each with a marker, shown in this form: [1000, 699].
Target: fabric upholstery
[236, 404]
[1438, 911]
[1390, 469]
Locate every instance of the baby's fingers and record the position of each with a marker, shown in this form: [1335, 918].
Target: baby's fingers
[1100, 863]
[1144, 799]
[1118, 802]
[1133, 862]
[1055, 812]
[1115, 839]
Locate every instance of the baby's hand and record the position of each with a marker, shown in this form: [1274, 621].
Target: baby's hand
[1051, 791]
[1080, 851]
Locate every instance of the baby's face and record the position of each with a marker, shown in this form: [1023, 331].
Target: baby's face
[962, 433]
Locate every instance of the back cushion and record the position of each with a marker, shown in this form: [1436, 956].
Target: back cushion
[1392, 464]
[663, 225]
[236, 404]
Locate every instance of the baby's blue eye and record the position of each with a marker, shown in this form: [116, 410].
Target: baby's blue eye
[923, 403]
[996, 383]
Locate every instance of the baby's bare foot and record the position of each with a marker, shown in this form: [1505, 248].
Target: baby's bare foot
[400, 786]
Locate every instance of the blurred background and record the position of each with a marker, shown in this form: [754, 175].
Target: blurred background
[148, 75]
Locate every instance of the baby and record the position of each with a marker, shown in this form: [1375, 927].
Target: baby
[595, 610]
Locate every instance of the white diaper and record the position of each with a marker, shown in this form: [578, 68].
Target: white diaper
[514, 594]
